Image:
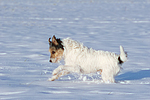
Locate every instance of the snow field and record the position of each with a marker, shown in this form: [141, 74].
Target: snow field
[25, 27]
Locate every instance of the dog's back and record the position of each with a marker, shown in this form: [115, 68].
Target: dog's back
[88, 59]
[91, 61]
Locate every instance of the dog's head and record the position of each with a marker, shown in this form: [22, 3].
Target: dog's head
[56, 49]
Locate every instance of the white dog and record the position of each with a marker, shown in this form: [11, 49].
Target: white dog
[83, 60]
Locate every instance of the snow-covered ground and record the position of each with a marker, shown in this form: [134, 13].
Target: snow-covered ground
[26, 25]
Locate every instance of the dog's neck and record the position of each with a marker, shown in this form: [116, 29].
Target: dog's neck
[70, 46]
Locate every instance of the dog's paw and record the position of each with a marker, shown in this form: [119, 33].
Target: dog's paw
[50, 79]
[53, 78]
[54, 72]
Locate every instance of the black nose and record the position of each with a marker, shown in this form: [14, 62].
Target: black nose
[50, 60]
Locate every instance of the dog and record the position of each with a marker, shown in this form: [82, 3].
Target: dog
[82, 60]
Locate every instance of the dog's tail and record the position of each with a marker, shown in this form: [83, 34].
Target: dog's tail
[123, 56]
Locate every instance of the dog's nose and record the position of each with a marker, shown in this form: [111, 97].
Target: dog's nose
[50, 60]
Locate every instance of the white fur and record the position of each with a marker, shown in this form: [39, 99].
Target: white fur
[83, 60]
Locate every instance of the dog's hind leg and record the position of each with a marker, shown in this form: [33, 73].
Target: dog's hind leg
[108, 77]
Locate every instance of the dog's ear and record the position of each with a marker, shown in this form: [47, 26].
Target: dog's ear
[54, 40]
[49, 40]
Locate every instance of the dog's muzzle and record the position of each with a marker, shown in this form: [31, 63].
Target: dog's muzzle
[53, 60]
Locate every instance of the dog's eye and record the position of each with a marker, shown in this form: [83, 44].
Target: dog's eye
[53, 52]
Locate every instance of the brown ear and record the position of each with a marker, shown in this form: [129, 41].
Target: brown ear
[54, 40]
[49, 40]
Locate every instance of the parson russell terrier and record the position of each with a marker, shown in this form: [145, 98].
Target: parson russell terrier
[82, 60]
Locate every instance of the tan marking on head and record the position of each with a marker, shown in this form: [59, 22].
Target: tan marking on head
[56, 54]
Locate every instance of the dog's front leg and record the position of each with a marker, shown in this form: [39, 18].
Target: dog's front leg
[56, 73]
[62, 73]
[64, 70]
[70, 68]
[57, 70]
[73, 69]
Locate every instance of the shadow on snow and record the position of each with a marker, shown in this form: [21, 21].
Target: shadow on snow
[134, 75]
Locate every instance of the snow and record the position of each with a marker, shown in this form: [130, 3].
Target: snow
[25, 27]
